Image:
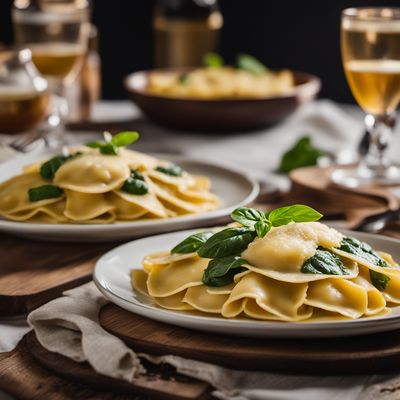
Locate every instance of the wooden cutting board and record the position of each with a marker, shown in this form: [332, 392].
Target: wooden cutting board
[31, 372]
[34, 272]
[376, 353]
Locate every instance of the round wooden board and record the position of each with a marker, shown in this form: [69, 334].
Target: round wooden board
[376, 353]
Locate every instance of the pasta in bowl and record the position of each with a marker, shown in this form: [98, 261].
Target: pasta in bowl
[281, 266]
[102, 183]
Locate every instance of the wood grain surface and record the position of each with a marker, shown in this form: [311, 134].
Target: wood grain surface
[376, 353]
[34, 272]
[31, 372]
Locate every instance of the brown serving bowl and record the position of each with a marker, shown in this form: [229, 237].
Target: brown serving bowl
[220, 114]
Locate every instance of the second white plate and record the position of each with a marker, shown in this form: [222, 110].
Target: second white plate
[230, 185]
[112, 277]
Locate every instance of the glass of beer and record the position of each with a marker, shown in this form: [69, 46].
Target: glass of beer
[56, 31]
[370, 43]
[24, 95]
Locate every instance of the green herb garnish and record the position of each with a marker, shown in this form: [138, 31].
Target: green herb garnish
[44, 192]
[324, 262]
[250, 64]
[111, 144]
[364, 251]
[172, 169]
[183, 78]
[192, 243]
[213, 60]
[50, 167]
[135, 184]
[221, 271]
[380, 281]
[302, 154]
[224, 247]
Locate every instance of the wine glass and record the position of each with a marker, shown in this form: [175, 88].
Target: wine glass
[27, 110]
[56, 31]
[370, 43]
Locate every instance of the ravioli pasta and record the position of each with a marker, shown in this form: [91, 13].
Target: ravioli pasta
[86, 186]
[287, 275]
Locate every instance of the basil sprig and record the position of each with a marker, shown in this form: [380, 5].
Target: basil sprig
[172, 170]
[225, 247]
[111, 144]
[364, 250]
[324, 262]
[135, 184]
[302, 154]
[213, 60]
[44, 192]
[250, 64]
[192, 243]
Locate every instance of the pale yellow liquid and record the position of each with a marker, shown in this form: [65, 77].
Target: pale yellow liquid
[56, 60]
[371, 60]
[21, 109]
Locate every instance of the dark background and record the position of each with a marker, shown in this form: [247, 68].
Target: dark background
[302, 35]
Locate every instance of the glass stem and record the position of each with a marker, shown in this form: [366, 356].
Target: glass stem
[380, 129]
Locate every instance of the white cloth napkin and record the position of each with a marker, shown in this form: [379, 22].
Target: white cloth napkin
[69, 326]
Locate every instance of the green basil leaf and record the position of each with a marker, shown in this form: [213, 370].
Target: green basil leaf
[109, 149]
[95, 145]
[262, 227]
[250, 64]
[220, 271]
[324, 262]
[228, 242]
[363, 250]
[192, 243]
[135, 174]
[302, 154]
[50, 167]
[183, 78]
[123, 139]
[380, 281]
[295, 213]
[213, 60]
[173, 170]
[135, 186]
[247, 216]
[44, 192]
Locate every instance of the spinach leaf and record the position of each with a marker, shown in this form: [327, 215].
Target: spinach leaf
[172, 169]
[192, 243]
[44, 192]
[324, 262]
[50, 167]
[135, 174]
[302, 154]
[229, 242]
[135, 186]
[363, 250]
[220, 271]
[248, 217]
[250, 64]
[213, 60]
[380, 281]
[295, 213]
[183, 78]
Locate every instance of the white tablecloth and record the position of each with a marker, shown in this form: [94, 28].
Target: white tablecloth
[331, 127]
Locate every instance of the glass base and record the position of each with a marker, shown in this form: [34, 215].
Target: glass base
[364, 176]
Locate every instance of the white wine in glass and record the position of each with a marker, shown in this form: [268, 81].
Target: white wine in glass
[370, 42]
[56, 31]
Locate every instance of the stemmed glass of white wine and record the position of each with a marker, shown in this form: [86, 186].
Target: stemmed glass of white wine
[56, 32]
[370, 42]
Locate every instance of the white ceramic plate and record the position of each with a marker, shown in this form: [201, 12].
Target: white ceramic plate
[231, 186]
[111, 276]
